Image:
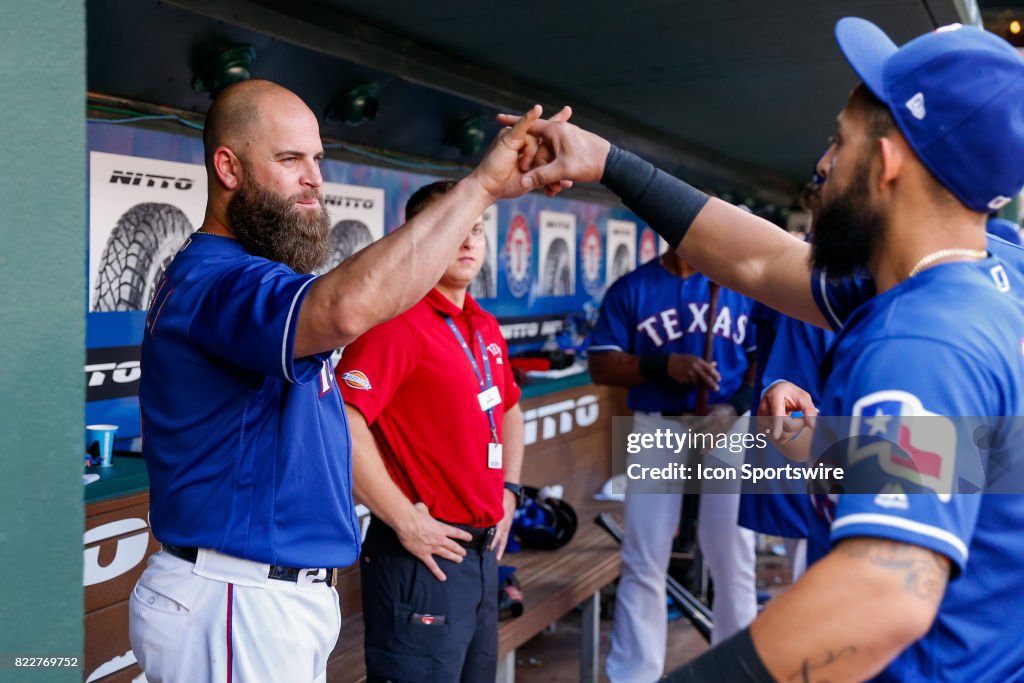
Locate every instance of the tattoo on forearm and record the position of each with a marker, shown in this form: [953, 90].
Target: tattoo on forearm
[806, 672]
[925, 572]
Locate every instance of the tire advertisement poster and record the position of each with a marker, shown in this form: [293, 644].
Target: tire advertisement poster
[485, 285]
[357, 219]
[621, 254]
[140, 213]
[557, 253]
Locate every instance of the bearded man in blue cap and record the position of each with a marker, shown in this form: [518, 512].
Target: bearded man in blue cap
[916, 580]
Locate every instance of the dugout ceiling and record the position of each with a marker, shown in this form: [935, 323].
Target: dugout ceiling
[736, 93]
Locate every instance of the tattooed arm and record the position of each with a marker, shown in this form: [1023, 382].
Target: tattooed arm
[852, 613]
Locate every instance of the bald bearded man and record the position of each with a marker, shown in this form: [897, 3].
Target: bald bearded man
[244, 433]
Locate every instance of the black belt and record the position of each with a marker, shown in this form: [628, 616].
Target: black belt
[280, 573]
[668, 413]
[481, 540]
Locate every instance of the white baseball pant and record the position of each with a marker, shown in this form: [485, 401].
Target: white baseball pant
[640, 621]
[221, 619]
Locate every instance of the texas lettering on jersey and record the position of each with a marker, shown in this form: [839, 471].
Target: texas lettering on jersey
[670, 325]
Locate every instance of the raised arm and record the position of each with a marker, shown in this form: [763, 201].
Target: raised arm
[736, 249]
[392, 274]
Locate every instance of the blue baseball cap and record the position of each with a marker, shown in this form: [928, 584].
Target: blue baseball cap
[957, 95]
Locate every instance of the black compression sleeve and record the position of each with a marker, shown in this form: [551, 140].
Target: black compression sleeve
[654, 367]
[734, 661]
[667, 204]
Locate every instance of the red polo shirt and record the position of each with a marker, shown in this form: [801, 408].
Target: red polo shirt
[413, 383]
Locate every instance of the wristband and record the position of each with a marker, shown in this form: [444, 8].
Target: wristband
[740, 401]
[734, 661]
[666, 203]
[654, 366]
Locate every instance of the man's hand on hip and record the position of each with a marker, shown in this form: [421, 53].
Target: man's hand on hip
[423, 536]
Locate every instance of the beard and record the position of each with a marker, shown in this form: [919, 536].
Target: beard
[272, 227]
[848, 229]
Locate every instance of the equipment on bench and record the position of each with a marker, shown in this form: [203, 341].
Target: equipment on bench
[693, 609]
[546, 524]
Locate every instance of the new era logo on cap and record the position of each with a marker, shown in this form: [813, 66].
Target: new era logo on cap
[916, 106]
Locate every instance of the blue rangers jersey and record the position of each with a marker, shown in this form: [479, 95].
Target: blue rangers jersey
[837, 299]
[947, 342]
[650, 310]
[247, 447]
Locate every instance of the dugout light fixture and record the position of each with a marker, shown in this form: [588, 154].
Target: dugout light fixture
[356, 106]
[468, 135]
[230, 66]
[1015, 27]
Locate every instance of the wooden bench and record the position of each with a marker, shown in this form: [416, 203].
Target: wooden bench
[554, 583]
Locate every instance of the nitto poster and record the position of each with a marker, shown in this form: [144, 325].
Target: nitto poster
[557, 254]
[357, 219]
[485, 285]
[621, 253]
[140, 212]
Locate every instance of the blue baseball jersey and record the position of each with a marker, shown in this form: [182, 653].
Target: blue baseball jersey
[650, 310]
[247, 447]
[797, 352]
[838, 299]
[916, 350]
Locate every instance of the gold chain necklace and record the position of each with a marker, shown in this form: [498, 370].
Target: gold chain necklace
[946, 253]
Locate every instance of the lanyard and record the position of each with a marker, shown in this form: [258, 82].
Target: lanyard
[476, 368]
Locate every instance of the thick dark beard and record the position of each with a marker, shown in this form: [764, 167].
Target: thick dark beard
[848, 230]
[271, 227]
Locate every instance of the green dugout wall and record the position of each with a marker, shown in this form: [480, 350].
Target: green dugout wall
[42, 327]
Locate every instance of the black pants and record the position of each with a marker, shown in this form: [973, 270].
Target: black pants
[402, 605]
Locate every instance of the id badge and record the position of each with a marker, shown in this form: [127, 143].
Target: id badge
[488, 399]
[494, 456]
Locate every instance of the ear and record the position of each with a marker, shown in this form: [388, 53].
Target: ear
[892, 157]
[228, 167]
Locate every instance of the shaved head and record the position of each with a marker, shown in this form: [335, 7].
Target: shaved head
[235, 116]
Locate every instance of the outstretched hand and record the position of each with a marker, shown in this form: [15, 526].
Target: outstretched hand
[498, 172]
[569, 152]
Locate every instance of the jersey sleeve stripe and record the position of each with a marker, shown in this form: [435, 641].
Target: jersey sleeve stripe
[907, 525]
[287, 331]
[825, 305]
[605, 347]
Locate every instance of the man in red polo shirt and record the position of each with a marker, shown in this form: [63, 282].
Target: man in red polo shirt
[437, 445]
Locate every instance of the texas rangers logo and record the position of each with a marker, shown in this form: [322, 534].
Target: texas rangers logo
[648, 245]
[518, 257]
[356, 380]
[922, 452]
[495, 352]
[590, 255]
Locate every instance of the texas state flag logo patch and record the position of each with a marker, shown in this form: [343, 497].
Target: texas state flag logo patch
[356, 380]
[906, 441]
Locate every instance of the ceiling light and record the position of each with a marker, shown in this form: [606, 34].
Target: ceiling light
[230, 66]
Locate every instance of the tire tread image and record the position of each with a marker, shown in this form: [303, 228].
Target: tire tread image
[141, 245]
